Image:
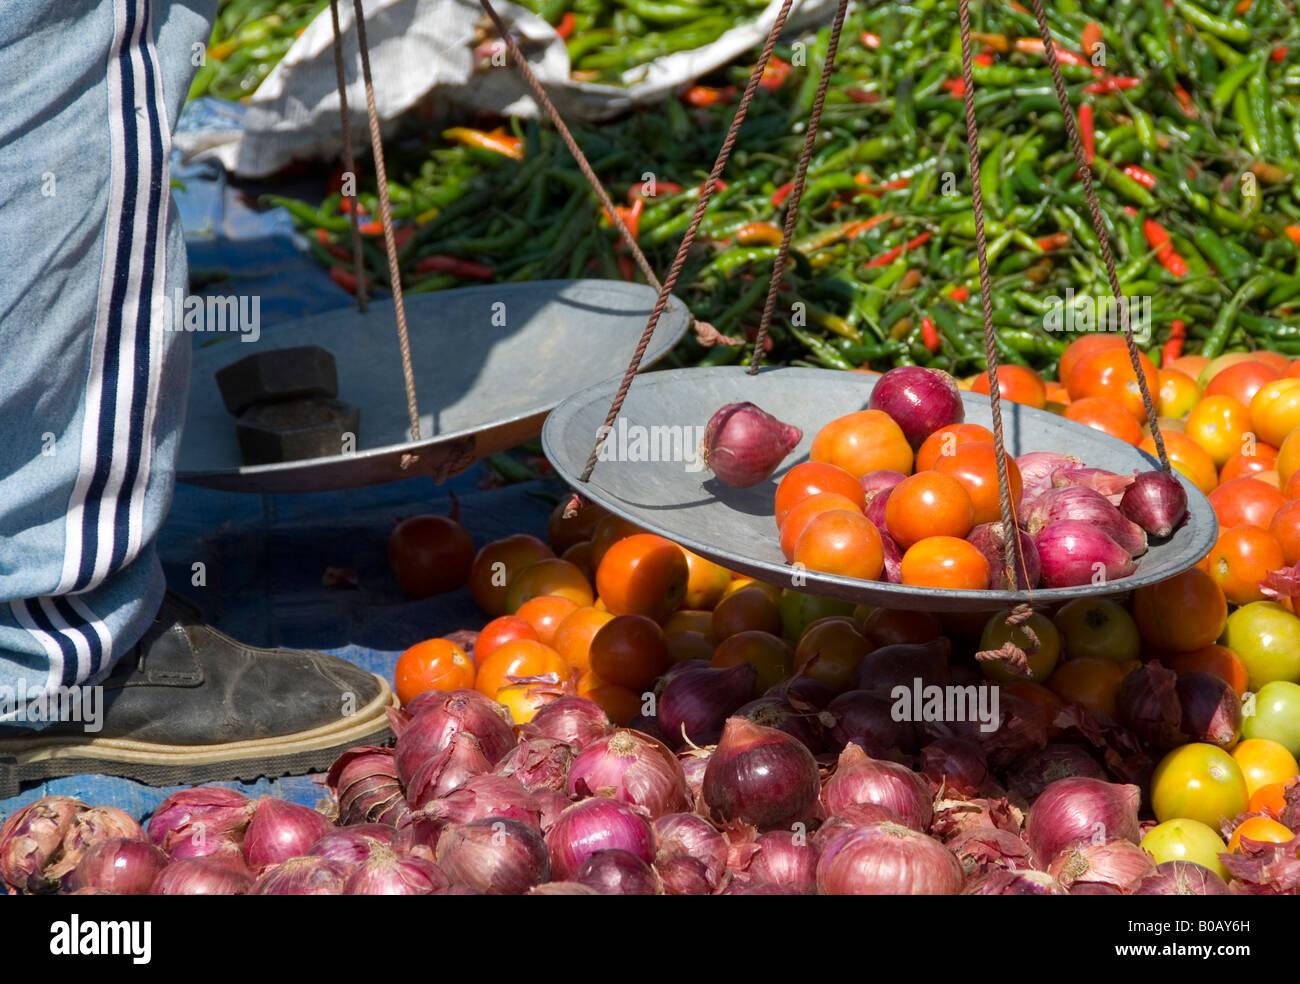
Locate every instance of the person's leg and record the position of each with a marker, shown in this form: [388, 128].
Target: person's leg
[92, 385]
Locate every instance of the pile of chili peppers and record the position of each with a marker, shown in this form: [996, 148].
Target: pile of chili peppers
[1190, 116]
[249, 37]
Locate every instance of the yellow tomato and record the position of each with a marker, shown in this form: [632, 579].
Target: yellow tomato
[1198, 782]
[1218, 424]
[1275, 411]
[1178, 393]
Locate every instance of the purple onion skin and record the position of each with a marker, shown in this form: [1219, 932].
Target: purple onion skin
[887, 859]
[682, 875]
[760, 776]
[388, 873]
[851, 818]
[617, 872]
[431, 730]
[631, 767]
[596, 824]
[31, 839]
[1079, 811]
[773, 712]
[1038, 467]
[353, 845]
[460, 761]
[1182, 878]
[698, 701]
[1003, 881]
[986, 849]
[123, 866]
[1074, 502]
[487, 796]
[1211, 710]
[784, 857]
[866, 719]
[763, 888]
[538, 763]
[1070, 549]
[562, 888]
[859, 780]
[279, 831]
[744, 444]
[689, 835]
[575, 720]
[989, 540]
[797, 691]
[364, 779]
[875, 505]
[956, 765]
[1157, 502]
[881, 479]
[494, 856]
[201, 876]
[189, 822]
[1092, 888]
[304, 876]
[893, 555]
[920, 400]
[1148, 705]
[1039, 769]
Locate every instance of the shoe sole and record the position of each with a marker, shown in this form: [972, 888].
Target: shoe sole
[37, 759]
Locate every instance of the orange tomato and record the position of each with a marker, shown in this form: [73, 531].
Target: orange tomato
[842, 542]
[706, 582]
[1107, 416]
[1019, 384]
[1240, 559]
[620, 704]
[809, 478]
[564, 533]
[524, 700]
[688, 620]
[549, 577]
[1277, 360]
[1109, 374]
[516, 661]
[1260, 829]
[1178, 392]
[1246, 501]
[545, 613]
[1275, 410]
[643, 575]
[1270, 799]
[1288, 459]
[1085, 345]
[1285, 527]
[1091, 682]
[1292, 488]
[946, 440]
[945, 562]
[499, 631]
[861, 442]
[1181, 614]
[1191, 460]
[497, 563]
[770, 656]
[573, 636]
[802, 514]
[1264, 762]
[975, 467]
[1193, 365]
[929, 504]
[1216, 660]
[1242, 381]
[629, 651]
[1218, 424]
[609, 531]
[1262, 458]
[435, 664]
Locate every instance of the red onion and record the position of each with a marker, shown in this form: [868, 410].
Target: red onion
[646, 725]
[1147, 704]
[487, 796]
[1039, 769]
[538, 763]
[867, 719]
[597, 824]
[1119, 863]
[304, 876]
[920, 400]
[353, 845]
[89, 827]
[31, 840]
[760, 776]
[418, 835]
[427, 699]
[279, 831]
[893, 555]
[859, 779]
[900, 664]
[121, 865]
[633, 768]
[1073, 502]
[887, 859]
[550, 804]
[784, 857]
[990, 540]
[852, 817]
[494, 856]
[202, 876]
[955, 765]
[682, 875]
[689, 835]
[874, 507]
[364, 779]
[879, 480]
[196, 822]
[799, 692]
[952, 817]
[386, 872]
[697, 701]
[1108, 483]
[562, 888]
[694, 764]
[460, 761]
[984, 849]
[1211, 709]
[1026, 881]
[430, 731]
[1081, 811]
[763, 888]
[1181, 878]
[618, 872]
[743, 444]
[575, 720]
[1157, 502]
[774, 712]
[1037, 468]
[1073, 552]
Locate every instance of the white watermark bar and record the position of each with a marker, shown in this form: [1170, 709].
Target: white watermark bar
[21, 704]
[237, 313]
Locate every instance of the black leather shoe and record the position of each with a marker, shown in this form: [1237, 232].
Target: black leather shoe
[189, 705]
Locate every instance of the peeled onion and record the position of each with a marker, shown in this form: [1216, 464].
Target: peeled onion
[744, 444]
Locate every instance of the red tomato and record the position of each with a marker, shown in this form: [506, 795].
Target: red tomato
[1240, 559]
[1246, 501]
[975, 467]
[435, 664]
[1107, 416]
[929, 504]
[946, 440]
[1109, 374]
[430, 555]
[1019, 384]
[812, 477]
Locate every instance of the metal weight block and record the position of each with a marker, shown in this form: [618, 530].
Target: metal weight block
[277, 375]
[295, 430]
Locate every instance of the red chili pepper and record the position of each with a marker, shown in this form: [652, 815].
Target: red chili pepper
[984, 58]
[1293, 234]
[565, 28]
[636, 191]
[1112, 83]
[701, 96]
[890, 256]
[631, 216]
[929, 335]
[862, 95]
[1243, 7]
[468, 269]
[1057, 240]
[345, 206]
[1185, 102]
[497, 141]
[959, 293]
[871, 40]
[1174, 347]
[1087, 133]
[781, 194]
[1158, 239]
[1279, 53]
[955, 86]
[345, 278]
[1064, 55]
[1130, 211]
[1090, 37]
[1141, 175]
[374, 228]
[775, 72]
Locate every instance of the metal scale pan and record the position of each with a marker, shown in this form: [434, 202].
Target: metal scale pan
[735, 528]
[483, 386]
